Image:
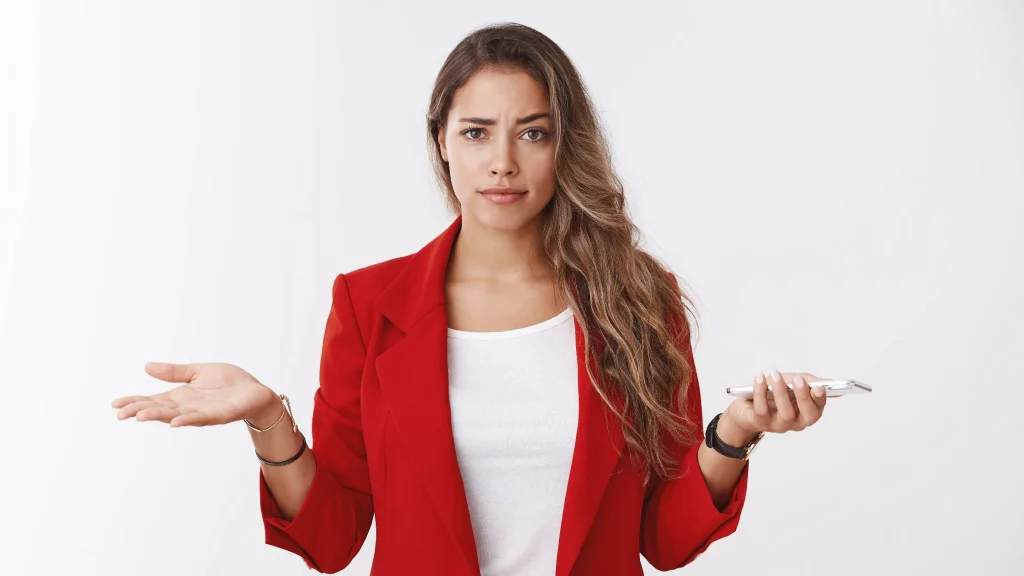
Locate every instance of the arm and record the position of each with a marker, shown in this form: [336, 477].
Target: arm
[320, 506]
[721, 473]
[683, 516]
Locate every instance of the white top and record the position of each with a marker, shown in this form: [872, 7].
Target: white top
[515, 406]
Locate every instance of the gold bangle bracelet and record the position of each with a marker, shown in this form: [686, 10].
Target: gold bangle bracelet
[287, 407]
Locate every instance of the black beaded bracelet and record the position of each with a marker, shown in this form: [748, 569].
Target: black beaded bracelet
[288, 461]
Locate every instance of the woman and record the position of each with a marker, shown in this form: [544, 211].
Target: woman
[457, 404]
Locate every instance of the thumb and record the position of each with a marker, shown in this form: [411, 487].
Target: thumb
[172, 372]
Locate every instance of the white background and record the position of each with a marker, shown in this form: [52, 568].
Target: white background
[839, 182]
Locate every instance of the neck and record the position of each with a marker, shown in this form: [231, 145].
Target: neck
[485, 254]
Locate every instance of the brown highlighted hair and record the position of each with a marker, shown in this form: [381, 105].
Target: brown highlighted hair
[622, 296]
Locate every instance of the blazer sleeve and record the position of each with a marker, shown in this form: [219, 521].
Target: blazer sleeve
[679, 518]
[334, 519]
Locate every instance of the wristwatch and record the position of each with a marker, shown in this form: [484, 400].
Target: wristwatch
[715, 443]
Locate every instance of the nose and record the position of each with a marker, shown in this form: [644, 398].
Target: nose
[503, 163]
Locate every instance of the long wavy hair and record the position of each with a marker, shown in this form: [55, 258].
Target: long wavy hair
[628, 305]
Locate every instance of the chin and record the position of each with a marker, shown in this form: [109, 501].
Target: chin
[502, 223]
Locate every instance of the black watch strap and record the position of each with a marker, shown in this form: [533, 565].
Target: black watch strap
[715, 443]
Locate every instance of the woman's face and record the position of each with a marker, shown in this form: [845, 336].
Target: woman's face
[498, 135]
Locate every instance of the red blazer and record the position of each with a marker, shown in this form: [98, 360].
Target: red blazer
[382, 438]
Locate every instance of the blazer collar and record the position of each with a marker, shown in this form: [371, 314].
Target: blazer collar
[413, 374]
[419, 287]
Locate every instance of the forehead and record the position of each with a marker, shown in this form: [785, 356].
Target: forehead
[491, 92]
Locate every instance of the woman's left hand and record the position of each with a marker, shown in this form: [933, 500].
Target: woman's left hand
[775, 411]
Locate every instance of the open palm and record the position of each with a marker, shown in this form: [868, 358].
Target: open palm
[210, 394]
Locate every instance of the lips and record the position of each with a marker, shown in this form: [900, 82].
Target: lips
[503, 190]
[505, 195]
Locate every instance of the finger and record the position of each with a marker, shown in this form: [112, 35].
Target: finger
[817, 394]
[141, 402]
[134, 408]
[784, 408]
[809, 411]
[183, 373]
[159, 413]
[192, 418]
[761, 397]
[819, 397]
[126, 400]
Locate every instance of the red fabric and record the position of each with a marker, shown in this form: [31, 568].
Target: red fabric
[383, 443]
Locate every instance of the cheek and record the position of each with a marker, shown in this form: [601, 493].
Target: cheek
[465, 166]
[542, 175]
[462, 179]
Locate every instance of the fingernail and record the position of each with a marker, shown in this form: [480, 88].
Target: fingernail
[776, 377]
[760, 378]
[819, 391]
[798, 382]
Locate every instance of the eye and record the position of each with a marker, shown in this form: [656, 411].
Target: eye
[540, 134]
[469, 131]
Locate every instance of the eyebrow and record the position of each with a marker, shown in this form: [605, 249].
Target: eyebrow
[491, 122]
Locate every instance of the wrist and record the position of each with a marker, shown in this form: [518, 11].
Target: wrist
[270, 412]
[733, 433]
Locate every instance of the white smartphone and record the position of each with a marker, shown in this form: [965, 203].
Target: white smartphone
[833, 388]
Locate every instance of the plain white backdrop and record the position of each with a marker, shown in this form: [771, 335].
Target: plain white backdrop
[839, 183]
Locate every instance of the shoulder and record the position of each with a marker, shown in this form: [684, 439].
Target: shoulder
[371, 280]
[354, 293]
[364, 285]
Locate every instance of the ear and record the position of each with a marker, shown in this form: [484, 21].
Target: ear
[440, 143]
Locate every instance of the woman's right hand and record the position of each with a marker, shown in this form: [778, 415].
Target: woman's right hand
[211, 394]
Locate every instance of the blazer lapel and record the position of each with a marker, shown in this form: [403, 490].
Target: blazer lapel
[599, 444]
[413, 374]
